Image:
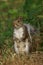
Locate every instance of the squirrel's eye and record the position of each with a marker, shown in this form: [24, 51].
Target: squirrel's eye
[18, 21]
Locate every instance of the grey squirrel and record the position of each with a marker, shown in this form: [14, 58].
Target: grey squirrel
[22, 36]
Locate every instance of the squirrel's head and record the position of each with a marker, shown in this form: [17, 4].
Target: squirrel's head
[18, 23]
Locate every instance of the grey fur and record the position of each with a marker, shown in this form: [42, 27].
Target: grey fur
[31, 30]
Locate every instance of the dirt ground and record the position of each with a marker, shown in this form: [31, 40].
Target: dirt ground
[31, 59]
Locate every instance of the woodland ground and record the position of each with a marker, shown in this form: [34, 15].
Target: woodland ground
[14, 59]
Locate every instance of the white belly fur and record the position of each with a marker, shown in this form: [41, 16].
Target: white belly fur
[18, 33]
[22, 49]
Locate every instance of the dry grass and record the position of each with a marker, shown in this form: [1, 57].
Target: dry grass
[31, 59]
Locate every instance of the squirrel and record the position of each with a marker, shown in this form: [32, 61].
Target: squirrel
[21, 33]
[21, 37]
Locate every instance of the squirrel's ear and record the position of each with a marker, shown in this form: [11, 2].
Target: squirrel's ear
[20, 19]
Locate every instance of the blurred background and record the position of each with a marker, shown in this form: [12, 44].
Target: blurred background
[31, 12]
